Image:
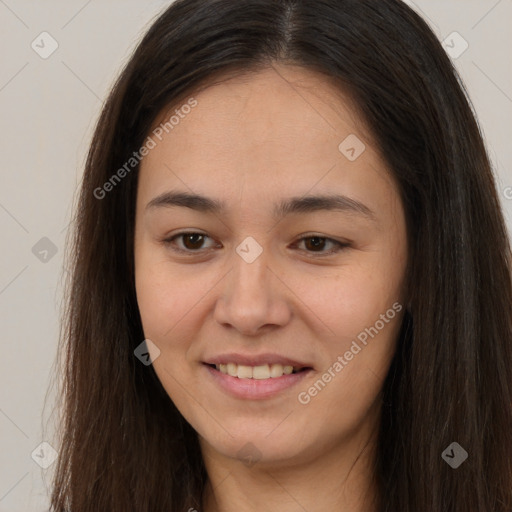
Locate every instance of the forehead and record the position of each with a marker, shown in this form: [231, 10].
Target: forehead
[277, 128]
[287, 101]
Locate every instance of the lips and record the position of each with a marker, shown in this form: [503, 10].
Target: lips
[254, 388]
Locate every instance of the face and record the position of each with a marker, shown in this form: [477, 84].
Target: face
[293, 256]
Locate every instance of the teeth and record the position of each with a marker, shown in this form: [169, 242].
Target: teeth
[262, 372]
[232, 369]
[244, 372]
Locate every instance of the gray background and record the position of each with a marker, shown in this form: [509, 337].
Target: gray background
[48, 109]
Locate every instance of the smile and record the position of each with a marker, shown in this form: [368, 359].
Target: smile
[260, 372]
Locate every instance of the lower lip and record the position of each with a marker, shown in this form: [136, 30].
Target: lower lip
[255, 389]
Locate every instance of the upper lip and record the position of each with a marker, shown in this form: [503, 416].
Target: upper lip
[256, 360]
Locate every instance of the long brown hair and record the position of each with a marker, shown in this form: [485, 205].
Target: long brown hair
[124, 445]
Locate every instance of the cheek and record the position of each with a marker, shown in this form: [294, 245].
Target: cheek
[359, 312]
[357, 359]
[166, 300]
[165, 294]
[345, 303]
[339, 302]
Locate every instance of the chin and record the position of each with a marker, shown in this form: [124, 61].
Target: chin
[258, 447]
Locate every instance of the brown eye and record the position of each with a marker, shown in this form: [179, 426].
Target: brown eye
[191, 242]
[317, 244]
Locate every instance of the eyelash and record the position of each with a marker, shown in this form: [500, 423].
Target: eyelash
[340, 246]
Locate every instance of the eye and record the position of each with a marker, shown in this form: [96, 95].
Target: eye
[192, 241]
[318, 243]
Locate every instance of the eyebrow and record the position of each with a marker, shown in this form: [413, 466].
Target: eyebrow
[293, 205]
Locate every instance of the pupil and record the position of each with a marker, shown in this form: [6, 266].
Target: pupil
[318, 240]
[188, 237]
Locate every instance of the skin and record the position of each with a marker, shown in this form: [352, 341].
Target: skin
[252, 141]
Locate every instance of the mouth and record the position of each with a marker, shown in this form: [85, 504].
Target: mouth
[260, 372]
[260, 382]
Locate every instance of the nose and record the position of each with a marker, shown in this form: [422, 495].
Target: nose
[253, 298]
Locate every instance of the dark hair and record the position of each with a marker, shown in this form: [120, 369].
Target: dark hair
[125, 446]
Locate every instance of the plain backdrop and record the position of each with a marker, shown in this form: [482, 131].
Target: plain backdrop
[48, 110]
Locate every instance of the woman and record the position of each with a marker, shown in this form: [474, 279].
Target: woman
[291, 281]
